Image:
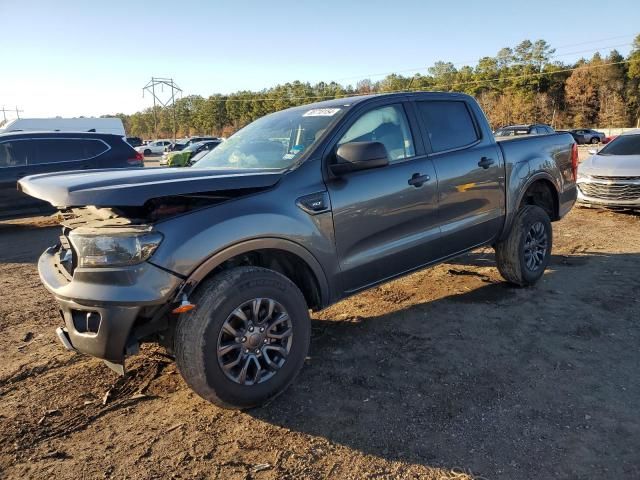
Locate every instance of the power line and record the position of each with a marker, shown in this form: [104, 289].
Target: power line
[418, 69]
[456, 84]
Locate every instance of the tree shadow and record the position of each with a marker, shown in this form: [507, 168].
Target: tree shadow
[506, 382]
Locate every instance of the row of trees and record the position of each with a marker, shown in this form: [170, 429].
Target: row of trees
[519, 85]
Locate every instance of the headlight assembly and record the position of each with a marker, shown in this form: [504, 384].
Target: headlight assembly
[113, 249]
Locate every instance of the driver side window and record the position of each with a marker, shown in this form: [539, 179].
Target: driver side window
[387, 125]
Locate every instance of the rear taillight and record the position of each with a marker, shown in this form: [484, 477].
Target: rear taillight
[137, 160]
[574, 161]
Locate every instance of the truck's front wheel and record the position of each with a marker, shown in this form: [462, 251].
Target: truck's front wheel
[246, 340]
[524, 255]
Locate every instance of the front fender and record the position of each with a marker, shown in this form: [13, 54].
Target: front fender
[272, 243]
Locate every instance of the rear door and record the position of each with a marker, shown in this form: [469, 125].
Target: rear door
[385, 218]
[470, 174]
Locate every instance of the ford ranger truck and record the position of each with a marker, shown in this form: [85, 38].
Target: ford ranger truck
[222, 262]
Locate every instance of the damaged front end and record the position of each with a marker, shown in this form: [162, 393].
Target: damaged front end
[111, 297]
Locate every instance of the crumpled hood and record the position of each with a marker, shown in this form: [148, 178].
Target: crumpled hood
[133, 187]
[611, 165]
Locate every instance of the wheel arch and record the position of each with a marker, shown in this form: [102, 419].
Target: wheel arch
[535, 191]
[284, 256]
[535, 181]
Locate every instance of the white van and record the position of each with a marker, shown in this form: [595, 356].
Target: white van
[99, 125]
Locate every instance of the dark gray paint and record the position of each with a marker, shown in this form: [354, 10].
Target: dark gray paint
[377, 225]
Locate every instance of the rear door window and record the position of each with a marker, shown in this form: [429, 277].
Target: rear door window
[54, 150]
[449, 124]
[15, 153]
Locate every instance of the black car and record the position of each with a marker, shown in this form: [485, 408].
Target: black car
[134, 141]
[30, 153]
[182, 144]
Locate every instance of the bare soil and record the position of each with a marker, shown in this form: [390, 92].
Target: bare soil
[447, 373]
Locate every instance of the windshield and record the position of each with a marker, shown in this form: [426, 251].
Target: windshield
[622, 145]
[275, 141]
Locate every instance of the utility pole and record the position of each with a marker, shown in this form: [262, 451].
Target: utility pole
[171, 101]
[4, 113]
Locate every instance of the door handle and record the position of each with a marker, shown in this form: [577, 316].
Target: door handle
[418, 180]
[486, 162]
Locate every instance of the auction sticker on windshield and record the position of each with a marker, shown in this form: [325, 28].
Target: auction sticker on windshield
[321, 112]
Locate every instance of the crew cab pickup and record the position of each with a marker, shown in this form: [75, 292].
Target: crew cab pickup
[222, 262]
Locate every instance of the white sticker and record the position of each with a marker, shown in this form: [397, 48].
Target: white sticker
[321, 112]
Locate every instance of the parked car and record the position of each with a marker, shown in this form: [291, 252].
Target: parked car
[590, 136]
[134, 141]
[197, 157]
[520, 130]
[183, 157]
[611, 177]
[155, 147]
[579, 139]
[185, 142]
[30, 153]
[221, 262]
[90, 124]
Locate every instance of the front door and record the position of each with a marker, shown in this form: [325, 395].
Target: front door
[385, 218]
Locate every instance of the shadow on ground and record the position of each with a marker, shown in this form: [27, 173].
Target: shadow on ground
[497, 379]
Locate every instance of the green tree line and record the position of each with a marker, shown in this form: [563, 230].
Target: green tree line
[523, 84]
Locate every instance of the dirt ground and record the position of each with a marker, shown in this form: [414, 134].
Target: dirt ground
[447, 373]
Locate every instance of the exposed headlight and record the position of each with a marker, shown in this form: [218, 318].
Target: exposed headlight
[113, 249]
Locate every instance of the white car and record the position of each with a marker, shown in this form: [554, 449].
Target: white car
[611, 176]
[153, 148]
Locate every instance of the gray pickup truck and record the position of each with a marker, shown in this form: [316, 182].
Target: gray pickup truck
[222, 262]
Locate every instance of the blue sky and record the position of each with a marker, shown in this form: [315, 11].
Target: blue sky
[93, 57]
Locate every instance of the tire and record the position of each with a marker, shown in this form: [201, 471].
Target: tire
[200, 334]
[514, 264]
[594, 140]
[147, 152]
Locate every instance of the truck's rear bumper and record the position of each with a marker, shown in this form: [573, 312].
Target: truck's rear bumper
[100, 308]
[566, 200]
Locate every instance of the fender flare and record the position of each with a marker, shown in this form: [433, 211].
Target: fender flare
[274, 243]
[534, 178]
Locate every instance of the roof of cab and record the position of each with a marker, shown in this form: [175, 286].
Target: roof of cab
[357, 99]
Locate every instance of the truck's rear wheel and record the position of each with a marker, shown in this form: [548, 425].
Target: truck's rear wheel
[524, 255]
[246, 340]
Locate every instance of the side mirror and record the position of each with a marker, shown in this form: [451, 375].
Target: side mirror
[592, 151]
[355, 156]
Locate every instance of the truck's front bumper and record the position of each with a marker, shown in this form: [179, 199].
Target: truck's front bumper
[101, 305]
